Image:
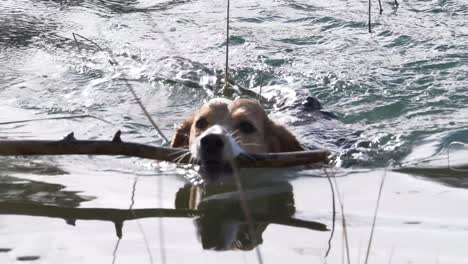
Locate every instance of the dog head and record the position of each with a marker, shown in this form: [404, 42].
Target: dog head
[223, 129]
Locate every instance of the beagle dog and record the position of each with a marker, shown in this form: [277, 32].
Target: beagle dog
[223, 129]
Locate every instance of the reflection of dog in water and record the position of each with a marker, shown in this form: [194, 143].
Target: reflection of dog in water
[221, 225]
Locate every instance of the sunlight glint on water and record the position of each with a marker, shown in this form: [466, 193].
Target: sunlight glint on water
[400, 95]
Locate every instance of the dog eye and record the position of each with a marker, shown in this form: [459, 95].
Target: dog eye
[201, 123]
[246, 127]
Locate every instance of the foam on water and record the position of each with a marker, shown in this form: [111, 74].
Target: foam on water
[400, 96]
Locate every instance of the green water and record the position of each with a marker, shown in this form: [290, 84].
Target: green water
[399, 94]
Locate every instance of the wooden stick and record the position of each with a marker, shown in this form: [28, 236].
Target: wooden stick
[71, 146]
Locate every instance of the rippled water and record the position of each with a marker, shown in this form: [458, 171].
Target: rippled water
[400, 95]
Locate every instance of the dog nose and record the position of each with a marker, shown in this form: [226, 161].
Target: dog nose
[212, 143]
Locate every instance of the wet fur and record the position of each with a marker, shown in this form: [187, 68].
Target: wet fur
[273, 137]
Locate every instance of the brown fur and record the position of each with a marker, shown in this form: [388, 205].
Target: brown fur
[281, 140]
[268, 136]
[182, 135]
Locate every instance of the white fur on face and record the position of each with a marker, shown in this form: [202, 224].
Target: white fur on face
[231, 148]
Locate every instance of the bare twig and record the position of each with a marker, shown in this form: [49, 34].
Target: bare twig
[236, 87]
[113, 61]
[226, 70]
[71, 146]
[145, 112]
[259, 97]
[162, 240]
[76, 41]
[343, 220]
[333, 213]
[140, 227]
[375, 217]
[87, 39]
[370, 27]
[116, 249]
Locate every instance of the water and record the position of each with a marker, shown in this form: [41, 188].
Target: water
[399, 94]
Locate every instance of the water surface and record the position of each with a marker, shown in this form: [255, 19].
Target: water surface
[400, 96]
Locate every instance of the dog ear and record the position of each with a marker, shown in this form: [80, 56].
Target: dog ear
[281, 140]
[182, 135]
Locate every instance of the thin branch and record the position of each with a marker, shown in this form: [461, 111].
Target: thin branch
[343, 221]
[76, 41]
[162, 240]
[114, 252]
[249, 93]
[260, 90]
[333, 213]
[375, 217]
[145, 112]
[226, 70]
[370, 27]
[87, 39]
[380, 7]
[71, 146]
[113, 61]
[140, 227]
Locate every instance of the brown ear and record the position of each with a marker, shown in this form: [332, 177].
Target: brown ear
[182, 135]
[281, 140]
